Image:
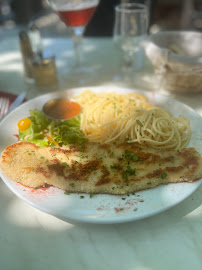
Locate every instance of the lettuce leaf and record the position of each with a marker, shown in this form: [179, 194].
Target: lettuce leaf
[39, 121]
[62, 132]
[67, 131]
[35, 134]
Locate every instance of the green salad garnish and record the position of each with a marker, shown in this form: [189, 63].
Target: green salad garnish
[45, 132]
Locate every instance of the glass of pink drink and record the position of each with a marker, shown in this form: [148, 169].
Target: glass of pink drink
[76, 14]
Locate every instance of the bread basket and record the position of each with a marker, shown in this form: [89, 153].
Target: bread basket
[177, 57]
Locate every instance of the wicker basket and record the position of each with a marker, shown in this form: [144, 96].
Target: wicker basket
[177, 57]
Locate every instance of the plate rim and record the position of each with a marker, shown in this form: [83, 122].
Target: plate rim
[107, 220]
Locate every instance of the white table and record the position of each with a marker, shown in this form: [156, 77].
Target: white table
[30, 239]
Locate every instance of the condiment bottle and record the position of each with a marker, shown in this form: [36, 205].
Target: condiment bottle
[44, 70]
[35, 39]
[27, 53]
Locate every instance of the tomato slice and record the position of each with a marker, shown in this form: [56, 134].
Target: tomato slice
[24, 124]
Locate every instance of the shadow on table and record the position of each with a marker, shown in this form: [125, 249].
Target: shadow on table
[172, 238]
[143, 244]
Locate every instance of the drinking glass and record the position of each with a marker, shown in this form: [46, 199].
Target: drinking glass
[130, 29]
[76, 14]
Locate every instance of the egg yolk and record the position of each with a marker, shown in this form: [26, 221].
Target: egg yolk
[24, 124]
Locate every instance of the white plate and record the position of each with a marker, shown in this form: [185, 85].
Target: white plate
[102, 208]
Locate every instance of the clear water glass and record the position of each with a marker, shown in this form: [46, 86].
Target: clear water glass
[130, 29]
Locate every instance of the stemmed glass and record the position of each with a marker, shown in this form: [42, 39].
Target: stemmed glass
[76, 14]
[130, 29]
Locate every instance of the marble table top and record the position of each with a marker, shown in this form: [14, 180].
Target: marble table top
[31, 239]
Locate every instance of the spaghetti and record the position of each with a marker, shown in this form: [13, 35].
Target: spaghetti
[119, 118]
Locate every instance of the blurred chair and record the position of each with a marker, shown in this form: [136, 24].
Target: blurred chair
[25, 10]
[103, 19]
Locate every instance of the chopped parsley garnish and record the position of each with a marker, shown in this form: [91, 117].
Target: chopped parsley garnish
[82, 197]
[82, 148]
[115, 167]
[91, 195]
[119, 111]
[129, 155]
[139, 123]
[163, 175]
[125, 175]
[128, 172]
[66, 193]
[72, 185]
[65, 164]
[42, 157]
[81, 156]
